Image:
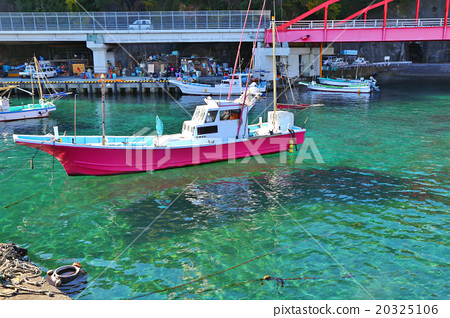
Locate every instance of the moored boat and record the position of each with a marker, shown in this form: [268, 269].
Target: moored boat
[349, 82]
[41, 109]
[236, 83]
[38, 110]
[362, 88]
[218, 130]
[344, 81]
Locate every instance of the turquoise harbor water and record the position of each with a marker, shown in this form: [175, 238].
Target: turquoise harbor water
[377, 206]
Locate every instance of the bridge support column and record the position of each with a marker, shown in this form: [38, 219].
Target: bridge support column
[102, 54]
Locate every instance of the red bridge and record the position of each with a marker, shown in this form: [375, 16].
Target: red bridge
[361, 30]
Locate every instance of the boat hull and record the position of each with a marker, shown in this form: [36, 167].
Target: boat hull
[26, 114]
[340, 89]
[340, 82]
[104, 160]
[218, 90]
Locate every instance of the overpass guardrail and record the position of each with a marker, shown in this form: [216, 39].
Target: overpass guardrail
[116, 21]
[369, 23]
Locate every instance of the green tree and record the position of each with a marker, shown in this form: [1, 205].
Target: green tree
[333, 9]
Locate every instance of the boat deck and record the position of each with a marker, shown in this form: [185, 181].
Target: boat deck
[174, 140]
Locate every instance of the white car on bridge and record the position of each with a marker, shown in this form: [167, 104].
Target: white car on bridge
[141, 25]
[360, 60]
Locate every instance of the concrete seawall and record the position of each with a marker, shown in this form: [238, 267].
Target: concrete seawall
[124, 85]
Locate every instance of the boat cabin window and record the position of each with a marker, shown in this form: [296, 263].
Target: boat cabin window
[211, 116]
[230, 114]
[206, 130]
[199, 115]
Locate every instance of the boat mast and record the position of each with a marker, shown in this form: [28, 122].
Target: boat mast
[75, 117]
[274, 68]
[36, 64]
[103, 110]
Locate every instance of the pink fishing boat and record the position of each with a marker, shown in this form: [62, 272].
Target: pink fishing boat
[218, 131]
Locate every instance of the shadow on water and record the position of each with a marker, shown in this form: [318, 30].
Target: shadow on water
[233, 198]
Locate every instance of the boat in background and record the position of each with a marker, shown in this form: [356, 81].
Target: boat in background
[41, 109]
[237, 84]
[217, 131]
[361, 88]
[345, 81]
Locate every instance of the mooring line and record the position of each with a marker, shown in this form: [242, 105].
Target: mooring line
[310, 235]
[281, 281]
[137, 237]
[225, 270]
[9, 148]
[29, 160]
[33, 195]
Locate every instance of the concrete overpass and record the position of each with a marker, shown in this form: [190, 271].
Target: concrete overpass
[104, 31]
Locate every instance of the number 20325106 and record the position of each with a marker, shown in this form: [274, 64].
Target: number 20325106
[406, 309]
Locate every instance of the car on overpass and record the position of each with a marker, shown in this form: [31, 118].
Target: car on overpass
[141, 25]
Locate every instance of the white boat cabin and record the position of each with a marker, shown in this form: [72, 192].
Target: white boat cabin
[217, 120]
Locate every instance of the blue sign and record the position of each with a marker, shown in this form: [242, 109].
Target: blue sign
[349, 52]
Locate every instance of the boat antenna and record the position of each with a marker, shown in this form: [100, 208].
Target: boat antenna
[102, 79]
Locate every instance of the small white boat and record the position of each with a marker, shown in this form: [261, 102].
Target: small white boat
[33, 110]
[349, 82]
[41, 109]
[362, 88]
[237, 87]
[9, 113]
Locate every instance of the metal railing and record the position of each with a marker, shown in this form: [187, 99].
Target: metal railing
[361, 24]
[116, 21]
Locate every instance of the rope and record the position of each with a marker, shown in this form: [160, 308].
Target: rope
[30, 160]
[225, 270]
[15, 270]
[239, 50]
[249, 72]
[33, 195]
[281, 281]
[9, 148]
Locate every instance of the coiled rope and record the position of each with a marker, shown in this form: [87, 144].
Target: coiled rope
[15, 270]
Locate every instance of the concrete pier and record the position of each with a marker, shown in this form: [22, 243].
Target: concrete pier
[125, 85]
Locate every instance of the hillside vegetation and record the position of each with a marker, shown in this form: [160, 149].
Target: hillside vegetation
[285, 9]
